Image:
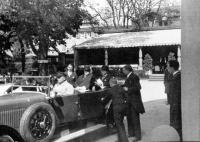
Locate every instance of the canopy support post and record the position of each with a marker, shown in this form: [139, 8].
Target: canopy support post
[140, 67]
[76, 59]
[106, 57]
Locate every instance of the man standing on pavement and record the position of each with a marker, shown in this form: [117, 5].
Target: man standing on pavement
[175, 91]
[167, 79]
[132, 87]
[120, 108]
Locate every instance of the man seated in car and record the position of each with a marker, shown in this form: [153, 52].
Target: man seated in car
[83, 82]
[62, 87]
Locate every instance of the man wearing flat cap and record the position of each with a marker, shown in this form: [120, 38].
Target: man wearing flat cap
[62, 87]
[132, 87]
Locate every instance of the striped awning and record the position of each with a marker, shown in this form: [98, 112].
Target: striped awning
[134, 39]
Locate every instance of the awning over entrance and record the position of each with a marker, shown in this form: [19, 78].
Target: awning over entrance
[134, 39]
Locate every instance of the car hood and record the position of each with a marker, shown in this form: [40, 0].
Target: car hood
[21, 98]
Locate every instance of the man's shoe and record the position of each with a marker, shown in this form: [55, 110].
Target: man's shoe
[131, 136]
[136, 139]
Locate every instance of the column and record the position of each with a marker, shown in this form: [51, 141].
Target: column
[106, 57]
[179, 56]
[190, 69]
[76, 58]
[140, 59]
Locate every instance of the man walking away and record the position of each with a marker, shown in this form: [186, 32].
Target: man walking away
[132, 87]
[175, 91]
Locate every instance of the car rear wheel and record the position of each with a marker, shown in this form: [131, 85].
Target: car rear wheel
[38, 123]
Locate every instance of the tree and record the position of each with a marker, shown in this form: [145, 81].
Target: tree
[102, 15]
[7, 35]
[124, 12]
[42, 24]
[147, 63]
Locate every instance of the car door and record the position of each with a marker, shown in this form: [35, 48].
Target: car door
[91, 105]
[66, 108]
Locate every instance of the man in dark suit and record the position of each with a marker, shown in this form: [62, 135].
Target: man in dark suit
[132, 87]
[175, 91]
[120, 107]
[85, 79]
[167, 79]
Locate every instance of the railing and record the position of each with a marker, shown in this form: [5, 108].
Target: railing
[4, 79]
[135, 66]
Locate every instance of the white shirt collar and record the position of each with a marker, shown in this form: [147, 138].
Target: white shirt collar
[129, 74]
[175, 73]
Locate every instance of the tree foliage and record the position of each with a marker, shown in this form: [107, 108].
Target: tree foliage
[42, 24]
[128, 12]
[7, 35]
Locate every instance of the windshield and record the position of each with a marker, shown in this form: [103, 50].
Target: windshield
[32, 83]
[26, 83]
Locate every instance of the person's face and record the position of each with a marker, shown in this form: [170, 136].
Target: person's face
[61, 79]
[125, 71]
[103, 72]
[86, 73]
[69, 68]
[112, 84]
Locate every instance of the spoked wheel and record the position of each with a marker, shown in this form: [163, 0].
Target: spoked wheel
[38, 123]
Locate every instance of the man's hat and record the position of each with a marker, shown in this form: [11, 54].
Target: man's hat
[87, 68]
[128, 68]
[105, 68]
[60, 74]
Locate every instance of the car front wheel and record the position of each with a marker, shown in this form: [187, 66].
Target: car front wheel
[38, 123]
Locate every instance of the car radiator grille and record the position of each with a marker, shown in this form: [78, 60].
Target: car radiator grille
[11, 117]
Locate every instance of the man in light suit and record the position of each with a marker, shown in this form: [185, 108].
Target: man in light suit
[132, 87]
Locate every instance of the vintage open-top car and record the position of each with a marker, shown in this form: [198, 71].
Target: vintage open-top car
[32, 116]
